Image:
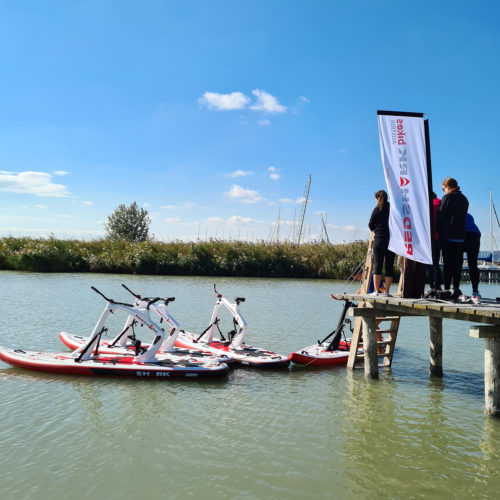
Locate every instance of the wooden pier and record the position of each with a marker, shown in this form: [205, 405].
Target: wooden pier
[371, 309]
[485, 275]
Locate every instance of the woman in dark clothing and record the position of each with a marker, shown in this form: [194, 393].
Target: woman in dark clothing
[450, 223]
[379, 224]
[471, 248]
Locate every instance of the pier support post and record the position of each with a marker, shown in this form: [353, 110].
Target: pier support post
[370, 346]
[491, 336]
[492, 376]
[436, 346]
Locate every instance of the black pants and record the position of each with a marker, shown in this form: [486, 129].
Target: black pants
[381, 253]
[471, 247]
[452, 260]
[434, 270]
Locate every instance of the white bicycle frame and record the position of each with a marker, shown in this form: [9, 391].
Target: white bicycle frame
[234, 309]
[85, 351]
[162, 311]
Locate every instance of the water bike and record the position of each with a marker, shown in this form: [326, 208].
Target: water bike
[332, 350]
[86, 360]
[234, 345]
[126, 341]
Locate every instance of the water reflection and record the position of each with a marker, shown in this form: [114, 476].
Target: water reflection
[411, 443]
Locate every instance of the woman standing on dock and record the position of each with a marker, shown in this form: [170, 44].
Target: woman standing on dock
[379, 224]
[450, 222]
[471, 248]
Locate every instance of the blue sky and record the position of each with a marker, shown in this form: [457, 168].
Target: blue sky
[211, 114]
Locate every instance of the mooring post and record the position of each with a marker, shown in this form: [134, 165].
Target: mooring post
[436, 346]
[492, 376]
[370, 346]
[491, 336]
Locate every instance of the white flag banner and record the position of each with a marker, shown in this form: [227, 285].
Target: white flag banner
[402, 146]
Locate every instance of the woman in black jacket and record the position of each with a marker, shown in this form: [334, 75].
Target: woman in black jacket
[450, 224]
[379, 224]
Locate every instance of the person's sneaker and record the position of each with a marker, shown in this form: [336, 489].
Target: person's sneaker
[374, 294]
[444, 294]
[456, 295]
[463, 299]
[430, 294]
[476, 299]
[387, 294]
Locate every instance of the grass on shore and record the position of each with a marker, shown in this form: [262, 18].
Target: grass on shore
[211, 258]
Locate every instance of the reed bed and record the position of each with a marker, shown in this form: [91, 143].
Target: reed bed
[204, 258]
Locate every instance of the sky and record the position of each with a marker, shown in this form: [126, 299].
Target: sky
[211, 115]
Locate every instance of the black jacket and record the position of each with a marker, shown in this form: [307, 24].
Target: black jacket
[379, 221]
[450, 217]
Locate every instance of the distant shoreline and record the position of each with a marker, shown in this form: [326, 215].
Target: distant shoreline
[204, 258]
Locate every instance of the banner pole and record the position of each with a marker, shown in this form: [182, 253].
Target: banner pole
[429, 174]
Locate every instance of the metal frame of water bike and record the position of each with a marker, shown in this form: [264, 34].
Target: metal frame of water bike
[234, 309]
[86, 351]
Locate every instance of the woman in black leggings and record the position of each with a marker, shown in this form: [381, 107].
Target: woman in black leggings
[379, 224]
[450, 223]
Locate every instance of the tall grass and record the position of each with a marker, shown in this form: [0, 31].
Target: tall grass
[212, 258]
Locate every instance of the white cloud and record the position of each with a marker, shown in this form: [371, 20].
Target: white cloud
[264, 123]
[344, 150]
[172, 219]
[301, 200]
[243, 220]
[224, 102]
[86, 202]
[304, 99]
[244, 195]
[283, 223]
[215, 219]
[273, 173]
[179, 206]
[350, 229]
[43, 207]
[239, 173]
[37, 183]
[286, 200]
[60, 172]
[266, 102]
[146, 205]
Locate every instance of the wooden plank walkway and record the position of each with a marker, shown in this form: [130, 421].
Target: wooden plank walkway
[487, 314]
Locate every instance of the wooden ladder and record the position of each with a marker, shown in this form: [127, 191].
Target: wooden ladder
[385, 345]
[386, 339]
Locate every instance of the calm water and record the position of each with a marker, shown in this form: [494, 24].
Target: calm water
[289, 434]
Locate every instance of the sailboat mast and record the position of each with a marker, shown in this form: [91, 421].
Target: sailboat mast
[491, 226]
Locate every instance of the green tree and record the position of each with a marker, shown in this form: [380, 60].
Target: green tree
[129, 223]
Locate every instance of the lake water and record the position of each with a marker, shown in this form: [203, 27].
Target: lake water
[297, 433]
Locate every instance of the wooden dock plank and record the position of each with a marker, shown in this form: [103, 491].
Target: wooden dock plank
[484, 331]
[488, 313]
